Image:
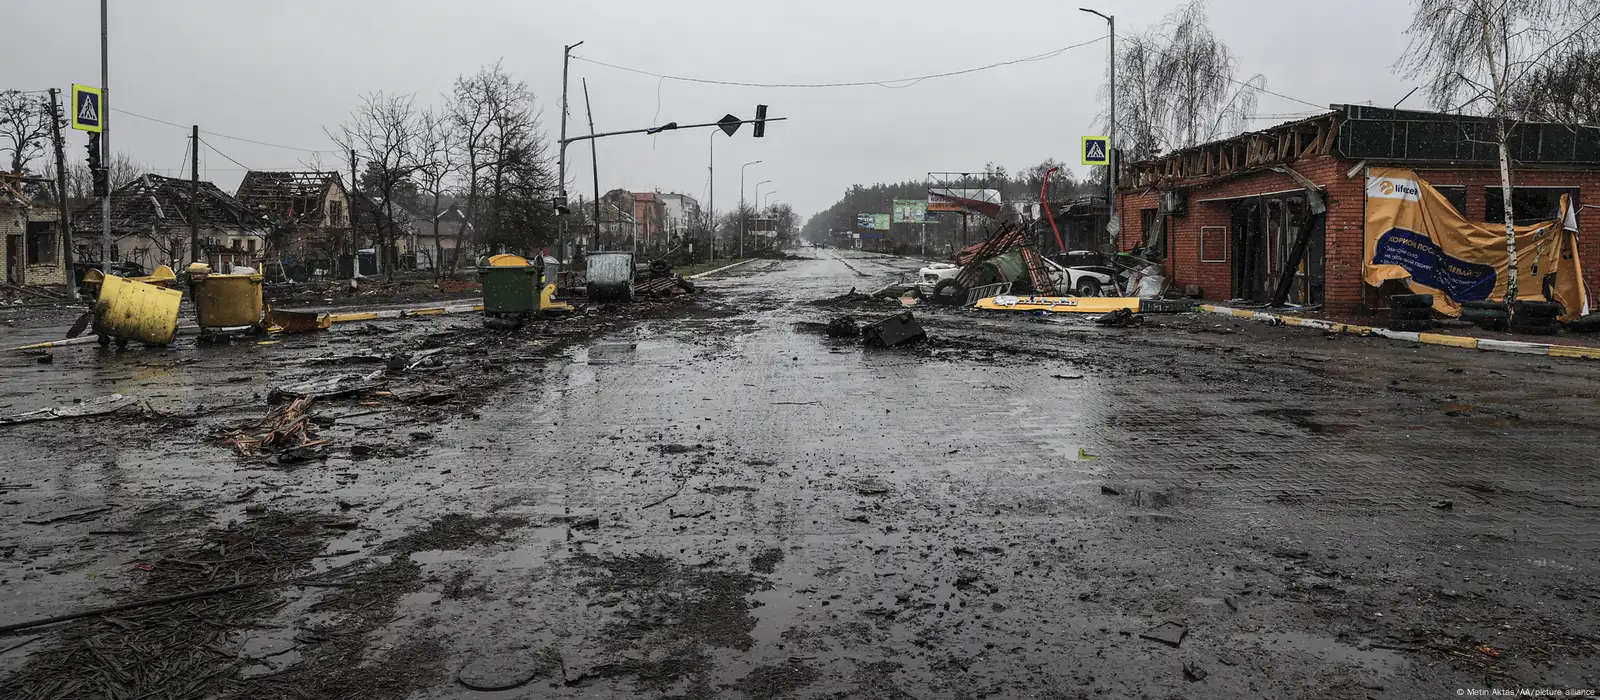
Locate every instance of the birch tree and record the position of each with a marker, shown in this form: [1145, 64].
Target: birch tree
[1176, 86]
[1480, 56]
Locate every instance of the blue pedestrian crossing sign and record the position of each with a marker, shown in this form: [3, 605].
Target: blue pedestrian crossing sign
[88, 108]
[1096, 150]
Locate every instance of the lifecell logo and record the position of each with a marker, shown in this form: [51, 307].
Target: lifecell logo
[1393, 188]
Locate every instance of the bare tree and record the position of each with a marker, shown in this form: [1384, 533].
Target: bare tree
[24, 127]
[476, 102]
[1564, 91]
[382, 130]
[503, 156]
[1478, 56]
[1176, 86]
[434, 158]
[80, 186]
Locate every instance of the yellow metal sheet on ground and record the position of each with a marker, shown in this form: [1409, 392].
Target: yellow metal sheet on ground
[297, 321]
[135, 311]
[225, 301]
[1061, 305]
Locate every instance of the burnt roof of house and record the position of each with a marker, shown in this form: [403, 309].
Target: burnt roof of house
[11, 191]
[163, 202]
[265, 188]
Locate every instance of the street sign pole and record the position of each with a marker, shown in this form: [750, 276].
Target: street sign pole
[105, 144]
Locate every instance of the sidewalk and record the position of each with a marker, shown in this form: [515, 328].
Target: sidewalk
[1458, 341]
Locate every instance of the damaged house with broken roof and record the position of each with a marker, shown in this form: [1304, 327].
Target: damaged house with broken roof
[151, 222]
[30, 230]
[307, 215]
[1279, 215]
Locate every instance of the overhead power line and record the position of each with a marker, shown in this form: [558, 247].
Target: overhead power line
[892, 83]
[1215, 74]
[225, 136]
[218, 152]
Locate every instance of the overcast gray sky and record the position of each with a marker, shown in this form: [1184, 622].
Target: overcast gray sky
[280, 72]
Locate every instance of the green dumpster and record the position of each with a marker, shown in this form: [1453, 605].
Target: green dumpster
[510, 291]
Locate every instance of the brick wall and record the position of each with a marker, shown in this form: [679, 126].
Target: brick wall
[14, 222]
[1346, 226]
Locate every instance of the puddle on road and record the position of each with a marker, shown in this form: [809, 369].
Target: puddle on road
[1333, 651]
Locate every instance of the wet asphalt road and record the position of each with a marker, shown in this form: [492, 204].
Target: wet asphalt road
[730, 504]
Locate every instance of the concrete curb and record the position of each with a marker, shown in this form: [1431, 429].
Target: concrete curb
[332, 318]
[720, 269]
[1511, 346]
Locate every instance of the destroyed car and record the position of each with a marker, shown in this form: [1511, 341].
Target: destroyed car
[1084, 273]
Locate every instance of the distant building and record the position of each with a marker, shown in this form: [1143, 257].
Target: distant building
[308, 213]
[651, 213]
[150, 226]
[30, 230]
[433, 249]
[682, 211]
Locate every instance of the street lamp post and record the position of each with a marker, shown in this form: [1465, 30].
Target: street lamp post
[1111, 170]
[758, 193]
[105, 145]
[769, 196]
[741, 205]
[757, 202]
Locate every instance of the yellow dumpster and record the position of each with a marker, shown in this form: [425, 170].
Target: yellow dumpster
[135, 311]
[226, 301]
[162, 276]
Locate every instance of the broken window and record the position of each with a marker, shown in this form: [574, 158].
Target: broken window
[41, 243]
[1531, 205]
[1457, 195]
[250, 245]
[336, 213]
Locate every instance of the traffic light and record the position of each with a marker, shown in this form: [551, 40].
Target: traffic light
[761, 121]
[97, 170]
[94, 150]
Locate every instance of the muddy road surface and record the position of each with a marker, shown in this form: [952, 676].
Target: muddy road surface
[713, 498]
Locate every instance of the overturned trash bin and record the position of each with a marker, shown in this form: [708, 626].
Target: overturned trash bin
[894, 330]
[126, 310]
[610, 276]
[225, 301]
[510, 291]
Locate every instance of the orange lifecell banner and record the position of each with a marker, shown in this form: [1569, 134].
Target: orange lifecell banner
[1414, 234]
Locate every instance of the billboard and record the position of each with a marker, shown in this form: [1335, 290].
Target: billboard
[912, 211]
[985, 202]
[872, 222]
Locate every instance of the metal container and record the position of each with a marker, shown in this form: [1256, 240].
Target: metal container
[609, 276]
[226, 301]
[136, 311]
[508, 289]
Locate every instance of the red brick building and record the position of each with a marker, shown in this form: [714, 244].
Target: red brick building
[1227, 216]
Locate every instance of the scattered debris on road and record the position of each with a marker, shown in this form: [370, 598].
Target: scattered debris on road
[1169, 633]
[894, 330]
[99, 406]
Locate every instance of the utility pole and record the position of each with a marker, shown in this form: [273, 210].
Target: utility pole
[594, 160]
[355, 244]
[561, 165]
[105, 143]
[61, 191]
[194, 194]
